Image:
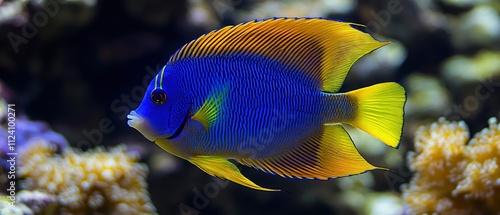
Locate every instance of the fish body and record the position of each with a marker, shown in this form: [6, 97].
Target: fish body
[255, 91]
[264, 94]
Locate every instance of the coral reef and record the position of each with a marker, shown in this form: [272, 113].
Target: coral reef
[74, 64]
[96, 182]
[452, 177]
[7, 208]
[26, 131]
[29, 203]
[38, 202]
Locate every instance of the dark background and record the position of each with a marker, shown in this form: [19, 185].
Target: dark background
[82, 69]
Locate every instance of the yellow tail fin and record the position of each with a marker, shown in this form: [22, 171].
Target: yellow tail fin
[380, 111]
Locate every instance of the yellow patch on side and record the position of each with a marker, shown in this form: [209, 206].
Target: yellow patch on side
[211, 108]
[324, 50]
[330, 153]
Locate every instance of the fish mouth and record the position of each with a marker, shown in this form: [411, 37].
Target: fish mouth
[134, 119]
[140, 124]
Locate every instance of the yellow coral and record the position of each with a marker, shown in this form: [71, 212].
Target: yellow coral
[452, 177]
[95, 182]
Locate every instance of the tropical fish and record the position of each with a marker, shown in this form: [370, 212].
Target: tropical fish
[264, 94]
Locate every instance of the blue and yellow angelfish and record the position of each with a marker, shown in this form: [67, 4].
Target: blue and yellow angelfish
[264, 94]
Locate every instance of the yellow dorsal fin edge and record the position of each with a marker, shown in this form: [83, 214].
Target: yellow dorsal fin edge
[321, 49]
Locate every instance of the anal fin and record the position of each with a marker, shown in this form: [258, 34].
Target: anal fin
[329, 153]
[222, 168]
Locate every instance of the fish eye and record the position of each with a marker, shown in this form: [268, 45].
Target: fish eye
[158, 96]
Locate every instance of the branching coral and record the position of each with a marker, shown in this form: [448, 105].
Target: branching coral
[26, 131]
[94, 182]
[452, 177]
[28, 203]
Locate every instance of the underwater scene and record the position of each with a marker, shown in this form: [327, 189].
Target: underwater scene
[239, 107]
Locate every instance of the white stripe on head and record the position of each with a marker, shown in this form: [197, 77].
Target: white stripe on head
[161, 77]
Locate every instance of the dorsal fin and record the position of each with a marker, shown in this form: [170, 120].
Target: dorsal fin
[322, 49]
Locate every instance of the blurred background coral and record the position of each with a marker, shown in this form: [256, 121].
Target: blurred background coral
[75, 68]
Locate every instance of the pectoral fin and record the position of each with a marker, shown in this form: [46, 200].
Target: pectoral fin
[211, 108]
[222, 168]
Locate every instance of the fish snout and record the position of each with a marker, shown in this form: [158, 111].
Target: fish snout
[140, 123]
[134, 119]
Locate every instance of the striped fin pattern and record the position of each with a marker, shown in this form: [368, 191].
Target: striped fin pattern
[330, 153]
[324, 50]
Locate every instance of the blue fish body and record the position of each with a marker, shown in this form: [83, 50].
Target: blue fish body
[268, 101]
[264, 101]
